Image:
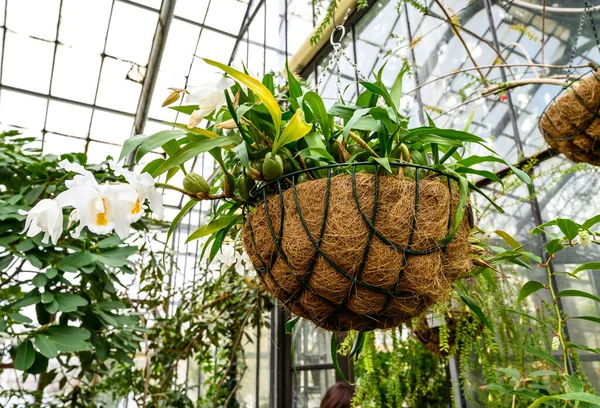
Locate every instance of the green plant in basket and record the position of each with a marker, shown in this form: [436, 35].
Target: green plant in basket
[351, 218]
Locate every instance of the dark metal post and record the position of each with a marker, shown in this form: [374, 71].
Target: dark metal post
[535, 207]
[413, 62]
[165, 16]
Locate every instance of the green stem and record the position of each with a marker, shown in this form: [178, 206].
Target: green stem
[448, 154]
[183, 169]
[434, 153]
[559, 319]
[171, 187]
[359, 141]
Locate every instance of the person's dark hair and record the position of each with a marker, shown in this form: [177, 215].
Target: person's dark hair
[339, 395]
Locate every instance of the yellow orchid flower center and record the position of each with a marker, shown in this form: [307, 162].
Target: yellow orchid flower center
[137, 207]
[102, 218]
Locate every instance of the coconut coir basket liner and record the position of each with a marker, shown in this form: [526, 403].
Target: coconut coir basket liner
[347, 251]
[571, 122]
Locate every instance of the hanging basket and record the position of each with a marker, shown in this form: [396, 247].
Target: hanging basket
[571, 122]
[346, 250]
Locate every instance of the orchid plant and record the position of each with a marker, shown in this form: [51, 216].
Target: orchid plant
[102, 208]
[257, 135]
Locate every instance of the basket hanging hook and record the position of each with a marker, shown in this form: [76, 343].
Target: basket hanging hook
[338, 53]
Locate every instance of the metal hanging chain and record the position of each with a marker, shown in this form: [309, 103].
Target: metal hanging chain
[338, 53]
[587, 8]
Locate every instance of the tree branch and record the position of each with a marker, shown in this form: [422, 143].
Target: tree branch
[457, 33]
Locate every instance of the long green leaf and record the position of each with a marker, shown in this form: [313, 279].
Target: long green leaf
[587, 267]
[451, 134]
[571, 396]
[356, 116]
[296, 129]
[472, 304]
[257, 87]
[212, 227]
[528, 316]
[396, 90]
[508, 239]
[157, 140]
[293, 84]
[540, 353]
[316, 105]
[463, 190]
[482, 173]
[529, 288]
[131, 144]
[186, 208]
[334, 356]
[192, 150]
[577, 293]
[589, 223]
[594, 319]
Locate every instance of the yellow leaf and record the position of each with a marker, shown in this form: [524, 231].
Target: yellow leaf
[296, 129]
[257, 87]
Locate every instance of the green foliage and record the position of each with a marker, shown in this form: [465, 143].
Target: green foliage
[270, 144]
[404, 372]
[209, 329]
[327, 18]
[64, 302]
[417, 4]
[511, 360]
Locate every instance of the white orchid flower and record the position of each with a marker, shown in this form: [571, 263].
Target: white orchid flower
[101, 208]
[227, 256]
[83, 177]
[143, 184]
[47, 217]
[209, 98]
[239, 266]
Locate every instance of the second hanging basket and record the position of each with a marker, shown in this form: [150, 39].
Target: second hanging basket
[359, 251]
[571, 122]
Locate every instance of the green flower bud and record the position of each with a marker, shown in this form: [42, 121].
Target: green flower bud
[245, 184]
[272, 167]
[194, 183]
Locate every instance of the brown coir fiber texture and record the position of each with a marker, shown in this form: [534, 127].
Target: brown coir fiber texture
[571, 124]
[310, 286]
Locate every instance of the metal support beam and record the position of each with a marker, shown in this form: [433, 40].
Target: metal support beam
[165, 16]
[535, 207]
[415, 69]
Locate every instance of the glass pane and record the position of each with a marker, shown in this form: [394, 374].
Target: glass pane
[164, 81]
[131, 32]
[180, 48]
[26, 111]
[194, 10]
[68, 119]
[35, 18]
[311, 387]
[27, 63]
[226, 15]
[215, 46]
[117, 90]
[84, 23]
[55, 144]
[110, 127]
[98, 152]
[75, 74]
[312, 345]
